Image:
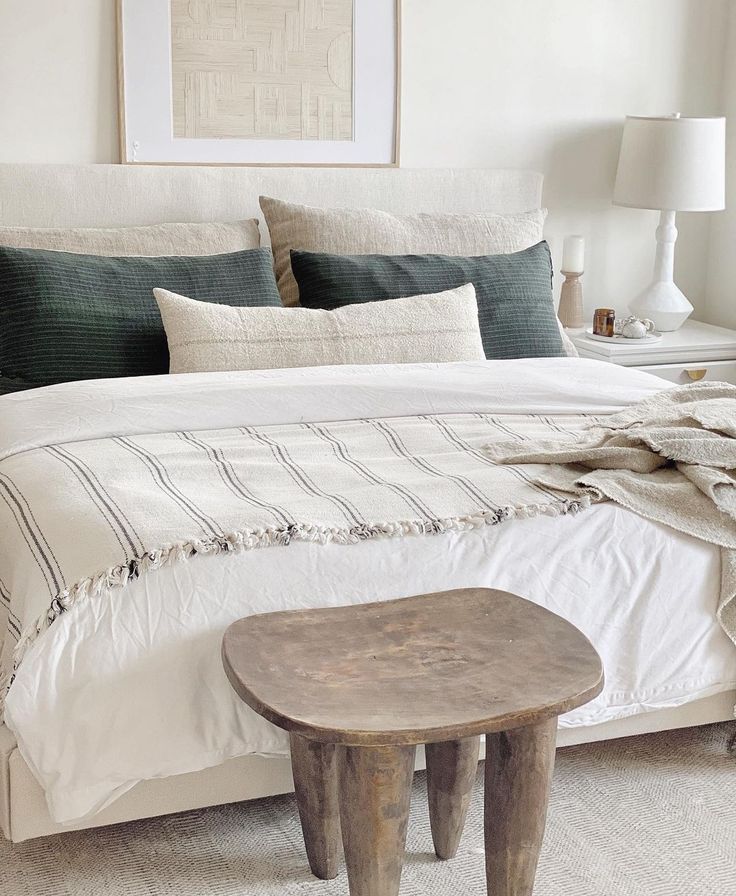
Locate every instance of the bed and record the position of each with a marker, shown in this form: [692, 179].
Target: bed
[156, 729]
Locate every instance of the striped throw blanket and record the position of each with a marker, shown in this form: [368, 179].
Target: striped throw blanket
[80, 517]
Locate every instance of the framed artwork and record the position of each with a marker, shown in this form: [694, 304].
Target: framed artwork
[263, 82]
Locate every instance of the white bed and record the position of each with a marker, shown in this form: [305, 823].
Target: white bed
[645, 595]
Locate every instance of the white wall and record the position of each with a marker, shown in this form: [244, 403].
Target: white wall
[721, 300]
[58, 81]
[546, 84]
[508, 83]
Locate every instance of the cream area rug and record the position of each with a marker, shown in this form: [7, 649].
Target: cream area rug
[646, 816]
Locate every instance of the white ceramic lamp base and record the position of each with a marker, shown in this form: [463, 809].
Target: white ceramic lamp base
[665, 304]
[662, 301]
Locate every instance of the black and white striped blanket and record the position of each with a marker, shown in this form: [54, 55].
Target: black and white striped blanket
[80, 517]
[105, 482]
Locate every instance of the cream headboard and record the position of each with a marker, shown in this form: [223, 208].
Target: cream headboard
[125, 195]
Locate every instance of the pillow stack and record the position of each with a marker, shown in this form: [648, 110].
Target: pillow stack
[366, 231]
[327, 258]
[374, 288]
[78, 304]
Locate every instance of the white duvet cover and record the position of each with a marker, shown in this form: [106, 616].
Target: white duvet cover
[129, 686]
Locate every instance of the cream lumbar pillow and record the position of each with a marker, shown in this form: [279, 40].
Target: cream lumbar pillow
[368, 231]
[207, 337]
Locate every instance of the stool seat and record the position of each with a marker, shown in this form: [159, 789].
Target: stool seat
[416, 670]
[359, 687]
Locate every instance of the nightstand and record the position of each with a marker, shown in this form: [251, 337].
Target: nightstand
[694, 352]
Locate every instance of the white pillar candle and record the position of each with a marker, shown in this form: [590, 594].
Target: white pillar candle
[573, 254]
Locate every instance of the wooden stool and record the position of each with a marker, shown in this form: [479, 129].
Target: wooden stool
[358, 687]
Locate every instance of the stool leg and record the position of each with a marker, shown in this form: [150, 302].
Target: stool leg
[451, 769]
[375, 792]
[518, 775]
[314, 766]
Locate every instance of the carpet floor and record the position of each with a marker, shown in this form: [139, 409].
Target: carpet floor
[646, 816]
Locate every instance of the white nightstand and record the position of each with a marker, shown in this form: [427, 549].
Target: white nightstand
[694, 352]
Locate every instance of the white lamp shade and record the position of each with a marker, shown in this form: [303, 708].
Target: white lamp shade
[672, 163]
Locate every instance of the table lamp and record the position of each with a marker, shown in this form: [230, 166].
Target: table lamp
[670, 163]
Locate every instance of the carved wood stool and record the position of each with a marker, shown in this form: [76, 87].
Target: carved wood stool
[358, 688]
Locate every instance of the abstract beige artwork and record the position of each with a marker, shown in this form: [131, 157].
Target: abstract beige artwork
[262, 69]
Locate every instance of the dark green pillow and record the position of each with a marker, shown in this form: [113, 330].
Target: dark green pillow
[65, 316]
[515, 304]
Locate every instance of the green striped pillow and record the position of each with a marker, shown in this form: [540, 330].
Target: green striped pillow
[65, 316]
[516, 309]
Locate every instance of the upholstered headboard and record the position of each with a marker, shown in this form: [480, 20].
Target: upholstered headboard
[125, 195]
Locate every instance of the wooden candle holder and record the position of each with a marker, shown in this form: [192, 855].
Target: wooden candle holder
[570, 311]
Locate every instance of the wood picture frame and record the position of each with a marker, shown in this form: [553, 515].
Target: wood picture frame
[259, 82]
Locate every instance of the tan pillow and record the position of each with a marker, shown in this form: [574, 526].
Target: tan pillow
[365, 231]
[206, 337]
[153, 240]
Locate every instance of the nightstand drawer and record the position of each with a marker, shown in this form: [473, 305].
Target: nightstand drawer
[691, 372]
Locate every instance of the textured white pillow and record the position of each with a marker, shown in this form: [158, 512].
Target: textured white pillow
[368, 231]
[568, 346]
[208, 238]
[205, 337]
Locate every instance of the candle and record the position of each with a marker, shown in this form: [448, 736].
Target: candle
[573, 254]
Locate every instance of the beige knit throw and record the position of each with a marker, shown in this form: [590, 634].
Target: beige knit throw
[670, 458]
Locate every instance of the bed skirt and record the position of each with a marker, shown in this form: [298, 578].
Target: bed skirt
[24, 814]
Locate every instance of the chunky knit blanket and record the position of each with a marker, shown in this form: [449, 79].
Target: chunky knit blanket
[670, 458]
[81, 517]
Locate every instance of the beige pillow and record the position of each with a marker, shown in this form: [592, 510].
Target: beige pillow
[153, 240]
[364, 231]
[205, 337]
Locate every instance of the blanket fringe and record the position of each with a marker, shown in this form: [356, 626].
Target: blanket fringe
[252, 539]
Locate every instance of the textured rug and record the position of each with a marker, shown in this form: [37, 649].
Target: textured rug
[646, 816]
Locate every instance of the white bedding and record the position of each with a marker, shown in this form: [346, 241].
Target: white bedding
[129, 686]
